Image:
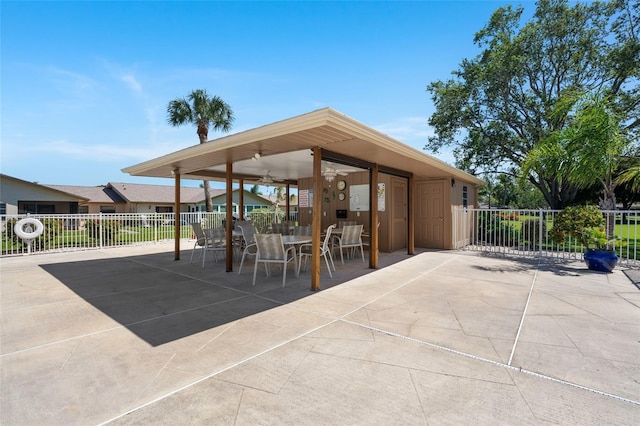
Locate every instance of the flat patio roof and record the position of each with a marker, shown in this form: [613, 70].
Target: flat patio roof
[285, 151]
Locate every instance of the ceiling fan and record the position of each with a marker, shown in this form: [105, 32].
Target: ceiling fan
[330, 172]
[268, 179]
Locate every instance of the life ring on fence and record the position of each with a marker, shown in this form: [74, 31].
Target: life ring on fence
[20, 232]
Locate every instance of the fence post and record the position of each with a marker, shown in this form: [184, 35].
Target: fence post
[540, 230]
[100, 228]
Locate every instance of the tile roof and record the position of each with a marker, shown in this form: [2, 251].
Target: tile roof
[122, 192]
[95, 194]
[142, 193]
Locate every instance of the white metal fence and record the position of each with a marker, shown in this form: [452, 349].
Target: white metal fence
[94, 231]
[526, 233]
[509, 232]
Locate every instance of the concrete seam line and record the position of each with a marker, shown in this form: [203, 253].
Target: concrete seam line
[175, 391]
[432, 345]
[215, 373]
[575, 385]
[119, 326]
[524, 313]
[495, 363]
[399, 287]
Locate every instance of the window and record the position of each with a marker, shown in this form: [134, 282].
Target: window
[3, 208]
[465, 196]
[35, 207]
[107, 209]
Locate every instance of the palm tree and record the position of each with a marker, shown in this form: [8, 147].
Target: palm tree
[587, 151]
[278, 191]
[202, 110]
[632, 177]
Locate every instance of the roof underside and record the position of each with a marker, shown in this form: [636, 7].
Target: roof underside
[285, 149]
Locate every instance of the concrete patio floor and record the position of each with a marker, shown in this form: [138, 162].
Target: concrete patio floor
[130, 336]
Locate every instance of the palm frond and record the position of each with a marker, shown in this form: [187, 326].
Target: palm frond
[179, 112]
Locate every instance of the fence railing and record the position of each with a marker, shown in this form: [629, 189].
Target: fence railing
[526, 233]
[94, 231]
[512, 232]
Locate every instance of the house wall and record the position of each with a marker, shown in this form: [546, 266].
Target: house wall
[16, 194]
[435, 201]
[331, 203]
[95, 208]
[249, 199]
[451, 197]
[458, 197]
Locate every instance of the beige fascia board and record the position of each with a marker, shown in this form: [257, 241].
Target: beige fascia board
[384, 141]
[280, 128]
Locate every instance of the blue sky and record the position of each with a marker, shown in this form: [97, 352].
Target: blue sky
[85, 85]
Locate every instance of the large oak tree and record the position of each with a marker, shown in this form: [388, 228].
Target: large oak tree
[501, 104]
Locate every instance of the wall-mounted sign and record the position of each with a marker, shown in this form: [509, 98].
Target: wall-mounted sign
[303, 198]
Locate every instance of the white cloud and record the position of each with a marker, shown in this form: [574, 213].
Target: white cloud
[131, 81]
[102, 152]
[68, 80]
[414, 131]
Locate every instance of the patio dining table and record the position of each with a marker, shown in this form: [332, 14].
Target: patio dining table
[296, 241]
[289, 240]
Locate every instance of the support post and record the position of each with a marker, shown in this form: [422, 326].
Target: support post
[229, 218]
[411, 235]
[241, 200]
[373, 217]
[176, 209]
[287, 202]
[316, 223]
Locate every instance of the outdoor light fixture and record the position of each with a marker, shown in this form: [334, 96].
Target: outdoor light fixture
[256, 156]
[330, 174]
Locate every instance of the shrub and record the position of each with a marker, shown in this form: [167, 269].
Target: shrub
[110, 230]
[584, 223]
[52, 228]
[493, 229]
[531, 231]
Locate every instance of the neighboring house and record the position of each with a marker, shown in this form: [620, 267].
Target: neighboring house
[100, 199]
[18, 196]
[160, 198]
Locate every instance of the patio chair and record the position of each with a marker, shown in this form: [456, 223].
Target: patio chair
[302, 230]
[351, 238]
[249, 246]
[205, 242]
[239, 223]
[217, 242]
[281, 228]
[305, 252]
[367, 243]
[271, 250]
[201, 239]
[343, 223]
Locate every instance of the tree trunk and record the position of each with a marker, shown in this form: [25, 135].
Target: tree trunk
[608, 203]
[203, 133]
[207, 196]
